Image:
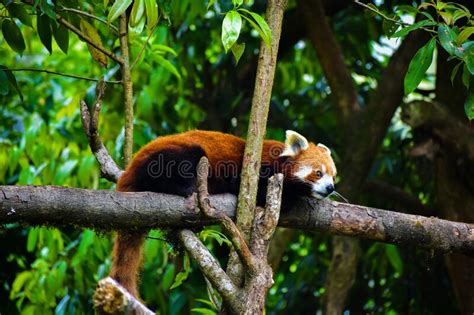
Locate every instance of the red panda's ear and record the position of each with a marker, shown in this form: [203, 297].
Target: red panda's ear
[294, 144]
[324, 147]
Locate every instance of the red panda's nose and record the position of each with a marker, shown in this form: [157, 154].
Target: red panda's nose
[329, 189]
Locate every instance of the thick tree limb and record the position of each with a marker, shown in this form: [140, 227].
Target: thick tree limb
[109, 210]
[450, 130]
[90, 124]
[330, 56]
[264, 225]
[249, 176]
[211, 268]
[111, 298]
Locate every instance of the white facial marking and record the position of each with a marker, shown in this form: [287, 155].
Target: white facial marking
[303, 172]
[323, 168]
[319, 188]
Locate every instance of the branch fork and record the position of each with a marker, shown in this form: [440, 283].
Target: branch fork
[90, 124]
[258, 273]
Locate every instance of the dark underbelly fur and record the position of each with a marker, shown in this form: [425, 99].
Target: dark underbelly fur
[173, 171]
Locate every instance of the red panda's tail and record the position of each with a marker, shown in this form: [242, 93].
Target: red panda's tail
[127, 257]
[127, 253]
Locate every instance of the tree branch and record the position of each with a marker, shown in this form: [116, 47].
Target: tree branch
[257, 129]
[61, 74]
[446, 127]
[109, 210]
[111, 298]
[127, 89]
[92, 16]
[90, 124]
[87, 39]
[228, 226]
[211, 269]
[331, 57]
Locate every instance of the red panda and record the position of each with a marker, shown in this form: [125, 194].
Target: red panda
[168, 165]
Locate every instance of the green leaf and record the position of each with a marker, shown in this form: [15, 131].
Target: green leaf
[167, 277]
[468, 55]
[407, 9]
[4, 88]
[406, 30]
[138, 11]
[161, 49]
[237, 51]
[237, 3]
[18, 10]
[32, 238]
[447, 39]
[93, 34]
[151, 13]
[390, 27]
[117, 9]
[455, 72]
[465, 76]
[183, 275]
[394, 257]
[12, 80]
[261, 27]
[20, 281]
[61, 35]
[13, 36]
[205, 311]
[418, 66]
[87, 239]
[44, 31]
[465, 34]
[469, 103]
[231, 27]
[64, 171]
[167, 65]
[210, 4]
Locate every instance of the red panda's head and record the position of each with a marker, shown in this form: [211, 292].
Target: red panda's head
[309, 163]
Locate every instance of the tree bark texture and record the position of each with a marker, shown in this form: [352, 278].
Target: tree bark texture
[109, 210]
[446, 127]
[363, 133]
[256, 130]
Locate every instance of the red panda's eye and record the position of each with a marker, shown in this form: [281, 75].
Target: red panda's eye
[319, 174]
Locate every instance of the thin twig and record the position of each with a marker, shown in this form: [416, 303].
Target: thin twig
[90, 124]
[143, 47]
[62, 74]
[92, 16]
[401, 23]
[87, 39]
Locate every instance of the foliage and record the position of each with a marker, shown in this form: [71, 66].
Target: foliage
[454, 38]
[183, 78]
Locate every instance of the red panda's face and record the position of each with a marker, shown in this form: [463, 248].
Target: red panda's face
[311, 164]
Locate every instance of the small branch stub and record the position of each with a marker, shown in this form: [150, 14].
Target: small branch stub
[90, 124]
[111, 298]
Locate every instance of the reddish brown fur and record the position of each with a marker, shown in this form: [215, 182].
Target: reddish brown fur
[217, 147]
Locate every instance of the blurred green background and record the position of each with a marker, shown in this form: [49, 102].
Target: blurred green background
[185, 80]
